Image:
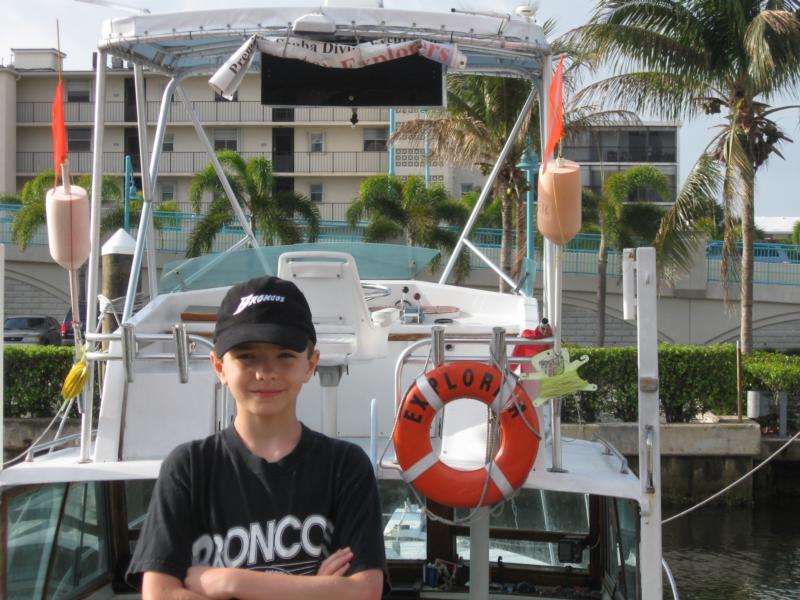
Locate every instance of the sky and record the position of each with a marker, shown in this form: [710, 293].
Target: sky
[32, 24]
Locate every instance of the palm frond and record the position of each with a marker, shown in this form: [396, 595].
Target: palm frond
[675, 240]
[772, 42]
[382, 229]
[202, 237]
[661, 93]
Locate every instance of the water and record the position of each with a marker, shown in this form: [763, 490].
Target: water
[735, 553]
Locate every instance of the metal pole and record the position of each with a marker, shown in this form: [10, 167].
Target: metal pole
[487, 188]
[649, 438]
[391, 144]
[426, 151]
[94, 244]
[147, 186]
[212, 157]
[130, 193]
[479, 554]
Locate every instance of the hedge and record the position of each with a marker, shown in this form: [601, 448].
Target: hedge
[693, 379]
[32, 379]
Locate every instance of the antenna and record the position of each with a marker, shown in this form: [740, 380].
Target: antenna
[120, 5]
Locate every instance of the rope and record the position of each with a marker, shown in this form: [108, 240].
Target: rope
[735, 483]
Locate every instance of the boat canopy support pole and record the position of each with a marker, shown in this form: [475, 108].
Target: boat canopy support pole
[212, 156]
[649, 438]
[487, 188]
[85, 402]
[144, 236]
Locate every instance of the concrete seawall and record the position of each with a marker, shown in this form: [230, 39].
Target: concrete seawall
[697, 459]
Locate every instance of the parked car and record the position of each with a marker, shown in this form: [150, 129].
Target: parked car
[67, 331]
[32, 329]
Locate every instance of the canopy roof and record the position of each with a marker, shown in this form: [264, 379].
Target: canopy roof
[198, 42]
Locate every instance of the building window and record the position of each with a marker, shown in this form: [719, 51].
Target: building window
[169, 143]
[79, 139]
[467, 188]
[315, 192]
[218, 97]
[167, 191]
[78, 90]
[375, 139]
[317, 142]
[226, 139]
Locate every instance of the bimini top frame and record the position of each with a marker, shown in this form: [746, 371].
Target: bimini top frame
[198, 42]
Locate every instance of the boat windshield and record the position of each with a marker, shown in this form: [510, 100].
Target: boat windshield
[374, 261]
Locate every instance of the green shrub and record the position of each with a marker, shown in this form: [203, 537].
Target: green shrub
[692, 380]
[32, 379]
[772, 371]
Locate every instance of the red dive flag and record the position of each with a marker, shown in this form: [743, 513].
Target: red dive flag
[555, 112]
[59, 131]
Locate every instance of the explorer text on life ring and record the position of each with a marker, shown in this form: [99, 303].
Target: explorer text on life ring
[517, 445]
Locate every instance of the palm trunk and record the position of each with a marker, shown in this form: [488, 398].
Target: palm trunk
[746, 291]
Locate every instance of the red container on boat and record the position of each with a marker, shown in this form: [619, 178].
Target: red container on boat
[558, 213]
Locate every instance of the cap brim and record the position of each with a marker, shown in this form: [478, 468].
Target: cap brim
[292, 338]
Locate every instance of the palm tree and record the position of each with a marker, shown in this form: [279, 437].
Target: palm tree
[271, 214]
[418, 213]
[31, 215]
[623, 224]
[675, 59]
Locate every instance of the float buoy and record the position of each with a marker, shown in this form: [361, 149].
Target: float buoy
[558, 205]
[518, 444]
[68, 225]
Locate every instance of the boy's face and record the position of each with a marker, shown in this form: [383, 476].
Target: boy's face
[265, 379]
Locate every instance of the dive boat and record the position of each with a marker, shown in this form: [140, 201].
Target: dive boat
[578, 523]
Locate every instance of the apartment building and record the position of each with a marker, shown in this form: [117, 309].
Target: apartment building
[323, 153]
[604, 150]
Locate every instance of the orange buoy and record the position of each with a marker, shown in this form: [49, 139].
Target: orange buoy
[558, 212]
[512, 462]
[68, 225]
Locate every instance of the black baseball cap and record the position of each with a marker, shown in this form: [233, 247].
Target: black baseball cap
[264, 309]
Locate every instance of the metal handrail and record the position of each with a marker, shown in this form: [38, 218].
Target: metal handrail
[53, 444]
[610, 449]
[671, 578]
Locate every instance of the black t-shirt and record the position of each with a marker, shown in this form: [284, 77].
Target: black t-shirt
[216, 503]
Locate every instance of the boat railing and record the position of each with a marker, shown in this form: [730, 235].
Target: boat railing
[53, 444]
[496, 340]
[611, 450]
[129, 342]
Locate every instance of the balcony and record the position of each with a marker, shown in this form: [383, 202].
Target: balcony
[189, 163]
[208, 111]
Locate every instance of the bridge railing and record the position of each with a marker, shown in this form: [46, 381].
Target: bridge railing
[776, 264]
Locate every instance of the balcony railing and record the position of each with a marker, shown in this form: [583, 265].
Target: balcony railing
[189, 163]
[208, 111]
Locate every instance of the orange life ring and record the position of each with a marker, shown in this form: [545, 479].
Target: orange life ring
[518, 444]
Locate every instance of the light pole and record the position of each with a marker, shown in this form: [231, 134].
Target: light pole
[129, 193]
[529, 162]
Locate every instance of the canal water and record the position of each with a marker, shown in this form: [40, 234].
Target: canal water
[725, 553]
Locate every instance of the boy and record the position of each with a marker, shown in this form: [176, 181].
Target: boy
[245, 512]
